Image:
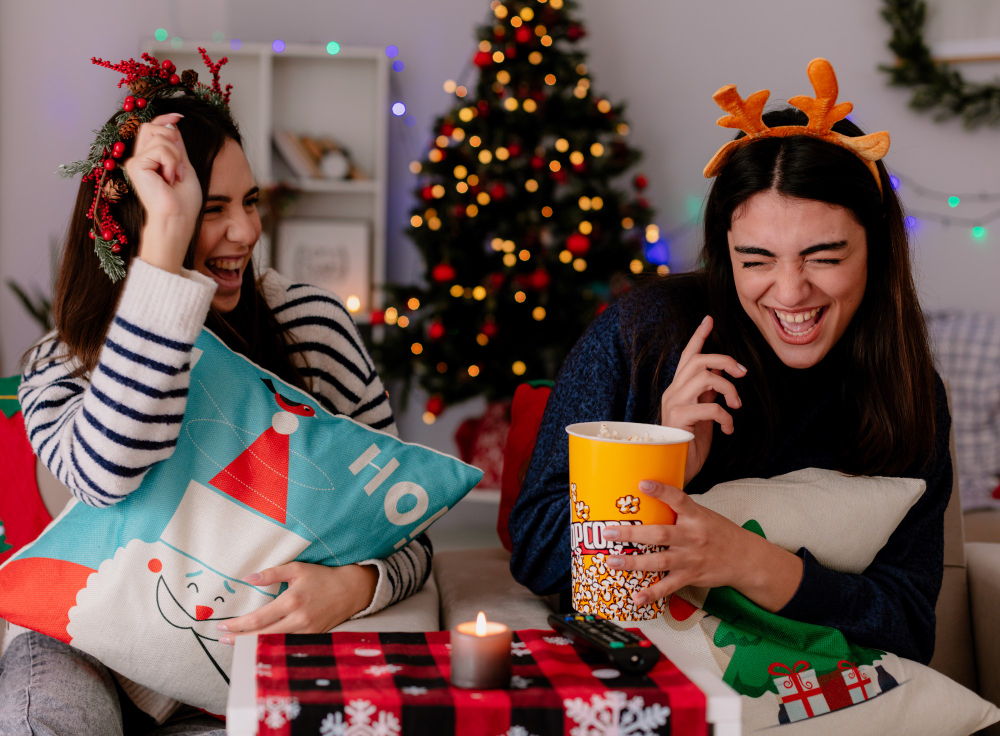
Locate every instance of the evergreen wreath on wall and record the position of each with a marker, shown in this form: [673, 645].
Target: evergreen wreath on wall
[936, 85]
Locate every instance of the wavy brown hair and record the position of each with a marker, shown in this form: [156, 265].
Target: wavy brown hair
[85, 299]
[887, 384]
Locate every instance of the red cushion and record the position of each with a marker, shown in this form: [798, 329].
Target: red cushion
[22, 512]
[525, 418]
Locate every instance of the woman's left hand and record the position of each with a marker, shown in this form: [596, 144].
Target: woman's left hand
[705, 547]
[706, 550]
[317, 599]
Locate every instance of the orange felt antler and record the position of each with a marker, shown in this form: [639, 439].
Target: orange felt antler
[822, 110]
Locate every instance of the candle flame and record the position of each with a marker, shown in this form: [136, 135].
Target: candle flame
[481, 624]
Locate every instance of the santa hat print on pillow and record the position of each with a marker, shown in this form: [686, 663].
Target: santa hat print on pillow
[261, 476]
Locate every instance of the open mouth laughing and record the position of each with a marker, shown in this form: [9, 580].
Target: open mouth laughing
[800, 326]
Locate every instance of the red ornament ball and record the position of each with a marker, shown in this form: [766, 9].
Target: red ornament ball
[578, 244]
[498, 191]
[109, 164]
[642, 203]
[522, 35]
[560, 176]
[447, 128]
[540, 280]
[482, 59]
[435, 405]
[537, 162]
[490, 329]
[575, 32]
[377, 317]
[115, 248]
[483, 106]
[641, 182]
[174, 79]
[435, 331]
[443, 272]
[496, 280]
[107, 235]
[141, 103]
[128, 106]
[427, 193]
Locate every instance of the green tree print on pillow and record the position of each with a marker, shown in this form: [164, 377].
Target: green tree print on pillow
[3, 539]
[760, 638]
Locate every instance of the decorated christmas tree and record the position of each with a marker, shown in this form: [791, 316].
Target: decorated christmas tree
[523, 231]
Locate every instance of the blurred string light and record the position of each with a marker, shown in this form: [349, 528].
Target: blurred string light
[278, 45]
[176, 42]
[916, 218]
[218, 37]
[236, 44]
[398, 109]
[392, 51]
[333, 48]
[161, 34]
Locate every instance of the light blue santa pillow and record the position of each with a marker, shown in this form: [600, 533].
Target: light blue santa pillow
[262, 475]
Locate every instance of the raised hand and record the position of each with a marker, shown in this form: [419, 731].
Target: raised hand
[168, 189]
[689, 401]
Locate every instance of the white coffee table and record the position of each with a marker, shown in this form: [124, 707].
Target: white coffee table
[722, 707]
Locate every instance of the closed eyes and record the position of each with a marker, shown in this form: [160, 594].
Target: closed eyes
[828, 261]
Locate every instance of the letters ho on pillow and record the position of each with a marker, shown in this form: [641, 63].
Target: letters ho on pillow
[262, 475]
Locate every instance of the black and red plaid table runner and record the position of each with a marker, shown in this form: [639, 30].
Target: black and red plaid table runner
[384, 684]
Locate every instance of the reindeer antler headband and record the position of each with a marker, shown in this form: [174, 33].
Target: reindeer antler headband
[147, 83]
[823, 112]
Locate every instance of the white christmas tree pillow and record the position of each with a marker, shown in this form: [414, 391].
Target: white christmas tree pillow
[801, 677]
[261, 475]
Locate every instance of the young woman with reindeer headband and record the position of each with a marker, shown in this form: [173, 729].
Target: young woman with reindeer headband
[160, 244]
[798, 343]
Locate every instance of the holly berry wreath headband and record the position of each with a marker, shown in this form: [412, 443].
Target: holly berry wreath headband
[147, 83]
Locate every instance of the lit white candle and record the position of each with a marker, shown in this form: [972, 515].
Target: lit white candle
[480, 654]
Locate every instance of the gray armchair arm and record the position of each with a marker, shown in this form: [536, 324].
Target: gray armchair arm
[983, 566]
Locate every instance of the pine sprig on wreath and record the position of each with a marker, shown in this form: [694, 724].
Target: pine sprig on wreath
[935, 84]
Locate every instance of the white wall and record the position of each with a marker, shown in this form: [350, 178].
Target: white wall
[664, 57]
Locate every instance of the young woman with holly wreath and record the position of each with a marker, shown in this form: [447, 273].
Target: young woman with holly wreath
[799, 343]
[181, 228]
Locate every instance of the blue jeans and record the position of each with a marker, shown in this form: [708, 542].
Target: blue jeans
[48, 688]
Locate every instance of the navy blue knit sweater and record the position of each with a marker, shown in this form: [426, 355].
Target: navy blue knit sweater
[890, 606]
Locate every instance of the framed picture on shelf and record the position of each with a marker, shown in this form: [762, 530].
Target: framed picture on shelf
[332, 254]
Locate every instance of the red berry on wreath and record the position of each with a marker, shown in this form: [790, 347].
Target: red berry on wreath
[115, 248]
[641, 182]
[482, 59]
[107, 235]
[435, 405]
[91, 234]
[141, 103]
[174, 79]
[443, 272]
[128, 106]
[167, 63]
[130, 98]
[119, 147]
[578, 244]
[109, 164]
[435, 331]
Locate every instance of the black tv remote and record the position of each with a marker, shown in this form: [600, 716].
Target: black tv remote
[622, 648]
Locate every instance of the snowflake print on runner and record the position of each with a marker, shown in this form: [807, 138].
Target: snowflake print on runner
[557, 641]
[519, 649]
[359, 721]
[263, 669]
[613, 714]
[517, 731]
[275, 711]
[413, 690]
[377, 670]
[519, 683]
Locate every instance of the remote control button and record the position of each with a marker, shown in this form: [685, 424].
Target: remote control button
[579, 618]
[590, 618]
[617, 645]
[568, 618]
[645, 643]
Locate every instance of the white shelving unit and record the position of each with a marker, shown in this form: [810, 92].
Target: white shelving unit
[309, 91]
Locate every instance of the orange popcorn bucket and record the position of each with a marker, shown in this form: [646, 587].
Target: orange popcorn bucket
[604, 475]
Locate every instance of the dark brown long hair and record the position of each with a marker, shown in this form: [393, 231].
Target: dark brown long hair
[85, 299]
[887, 381]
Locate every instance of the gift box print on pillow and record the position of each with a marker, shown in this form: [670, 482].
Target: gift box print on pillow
[261, 475]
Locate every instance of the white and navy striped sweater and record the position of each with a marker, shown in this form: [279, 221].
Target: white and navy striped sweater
[100, 436]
